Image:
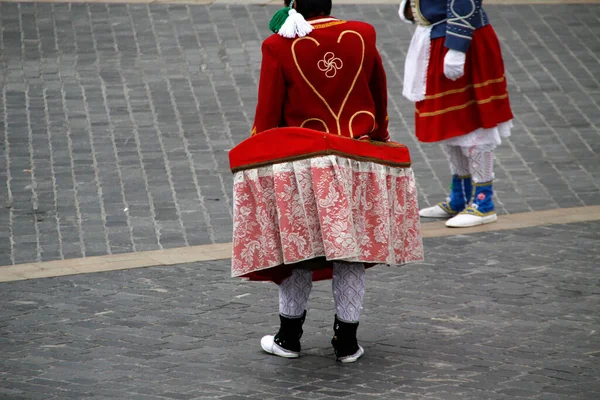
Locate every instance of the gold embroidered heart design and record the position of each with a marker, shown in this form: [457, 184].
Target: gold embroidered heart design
[358, 71]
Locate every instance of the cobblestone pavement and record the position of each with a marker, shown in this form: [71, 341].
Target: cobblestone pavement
[116, 119]
[516, 320]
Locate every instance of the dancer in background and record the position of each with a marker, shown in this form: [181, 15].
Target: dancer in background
[454, 72]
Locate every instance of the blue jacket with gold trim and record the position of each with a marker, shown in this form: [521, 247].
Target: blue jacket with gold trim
[454, 19]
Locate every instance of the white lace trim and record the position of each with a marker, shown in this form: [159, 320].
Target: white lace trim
[416, 64]
[479, 137]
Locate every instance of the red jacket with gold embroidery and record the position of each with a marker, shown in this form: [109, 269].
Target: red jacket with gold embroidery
[331, 80]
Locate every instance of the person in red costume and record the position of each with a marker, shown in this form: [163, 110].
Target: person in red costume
[454, 73]
[326, 75]
[330, 80]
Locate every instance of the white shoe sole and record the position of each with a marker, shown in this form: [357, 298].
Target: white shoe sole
[268, 344]
[467, 220]
[352, 358]
[434, 212]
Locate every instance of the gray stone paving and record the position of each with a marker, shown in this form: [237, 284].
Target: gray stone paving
[116, 119]
[516, 320]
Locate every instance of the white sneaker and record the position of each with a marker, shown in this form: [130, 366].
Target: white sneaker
[434, 212]
[353, 357]
[465, 220]
[268, 344]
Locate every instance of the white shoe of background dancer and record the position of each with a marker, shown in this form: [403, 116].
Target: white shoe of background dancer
[434, 212]
[268, 344]
[468, 220]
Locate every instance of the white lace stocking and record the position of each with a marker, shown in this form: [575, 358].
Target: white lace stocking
[294, 291]
[348, 287]
[459, 163]
[481, 159]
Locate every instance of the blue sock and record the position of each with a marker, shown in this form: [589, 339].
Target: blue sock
[482, 201]
[461, 190]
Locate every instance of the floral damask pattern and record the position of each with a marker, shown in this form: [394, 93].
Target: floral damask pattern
[326, 206]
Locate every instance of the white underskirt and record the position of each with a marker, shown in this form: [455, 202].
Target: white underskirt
[479, 137]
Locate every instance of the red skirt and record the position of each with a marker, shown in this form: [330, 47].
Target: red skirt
[477, 100]
[304, 199]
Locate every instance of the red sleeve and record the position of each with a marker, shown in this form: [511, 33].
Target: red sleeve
[271, 92]
[378, 86]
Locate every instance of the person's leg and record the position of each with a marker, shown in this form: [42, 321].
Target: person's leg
[461, 188]
[481, 162]
[348, 286]
[482, 210]
[459, 163]
[294, 292]
[293, 297]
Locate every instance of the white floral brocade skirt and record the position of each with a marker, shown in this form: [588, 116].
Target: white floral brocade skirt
[326, 207]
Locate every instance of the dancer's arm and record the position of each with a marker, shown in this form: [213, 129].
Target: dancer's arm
[378, 86]
[461, 17]
[271, 92]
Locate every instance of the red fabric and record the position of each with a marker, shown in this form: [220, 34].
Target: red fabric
[331, 80]
[283, 144]
[477, 100]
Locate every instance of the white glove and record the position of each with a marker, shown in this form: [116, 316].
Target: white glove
[454, 64]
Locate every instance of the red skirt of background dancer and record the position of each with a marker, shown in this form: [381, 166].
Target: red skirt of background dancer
[477, 100]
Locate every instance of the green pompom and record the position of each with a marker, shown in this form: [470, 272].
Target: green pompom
[278, 19]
